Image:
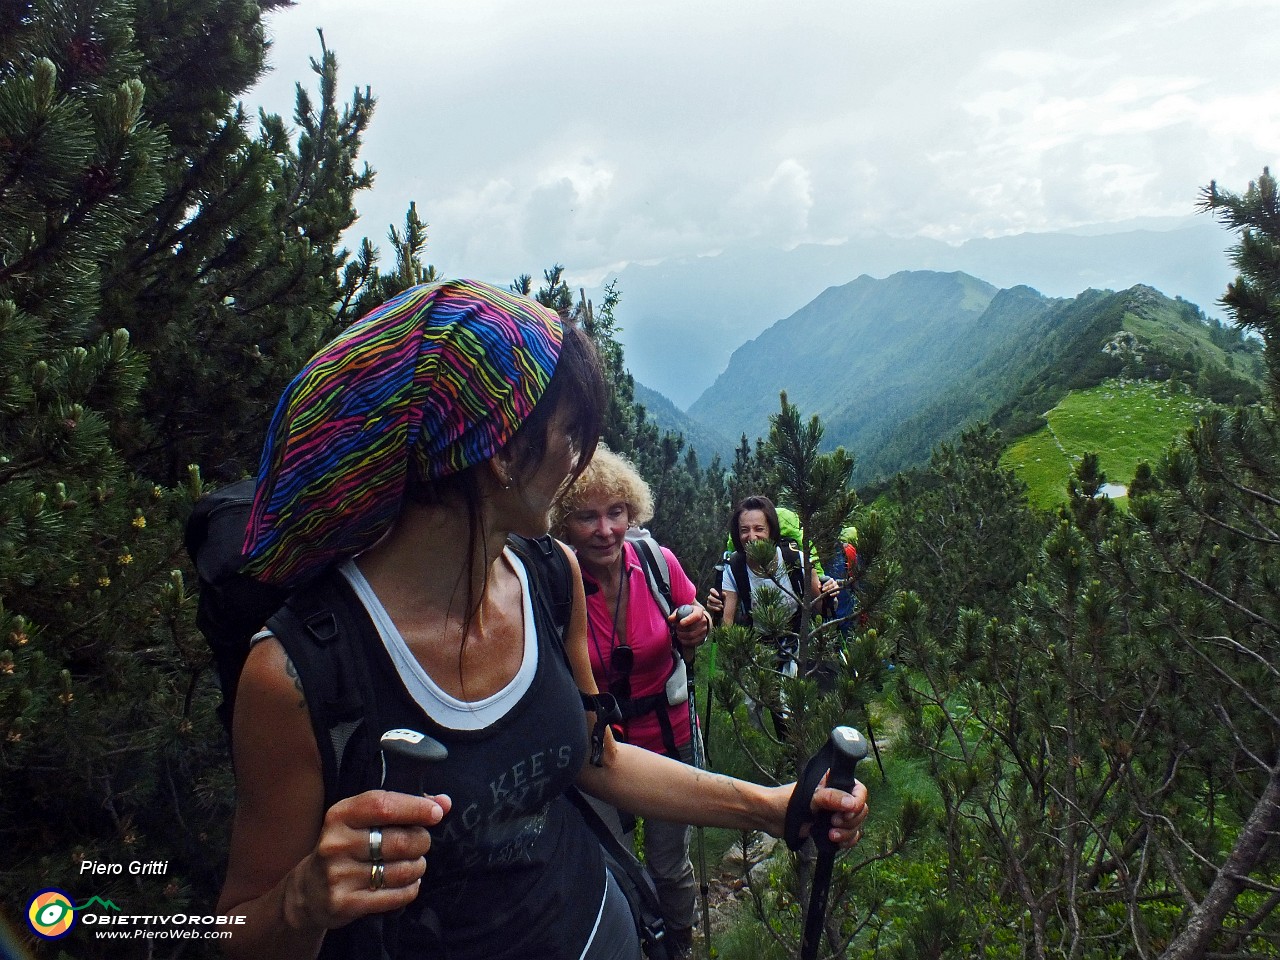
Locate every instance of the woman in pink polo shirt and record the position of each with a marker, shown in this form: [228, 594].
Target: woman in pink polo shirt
[631, 646]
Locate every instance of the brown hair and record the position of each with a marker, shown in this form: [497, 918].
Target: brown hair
[770, 515]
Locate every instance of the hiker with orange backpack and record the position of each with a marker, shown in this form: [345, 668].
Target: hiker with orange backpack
[845, 568]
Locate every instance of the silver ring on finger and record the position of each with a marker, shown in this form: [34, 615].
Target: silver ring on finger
[375, 844]
[378, 876]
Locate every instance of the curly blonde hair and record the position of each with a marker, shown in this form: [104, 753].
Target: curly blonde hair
[608, 475]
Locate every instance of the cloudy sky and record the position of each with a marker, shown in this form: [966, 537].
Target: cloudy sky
[596, 133]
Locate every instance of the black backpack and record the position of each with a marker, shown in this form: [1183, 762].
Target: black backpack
[232, 606]
[316, 623]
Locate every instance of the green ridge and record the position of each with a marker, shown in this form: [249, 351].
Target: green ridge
[1124, 422]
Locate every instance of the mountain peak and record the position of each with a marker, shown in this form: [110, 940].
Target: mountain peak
[710, 305]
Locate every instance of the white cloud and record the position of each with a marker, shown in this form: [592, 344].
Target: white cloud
[597, 134]
[775, 208]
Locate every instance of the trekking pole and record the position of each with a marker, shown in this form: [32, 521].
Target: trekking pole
[711, 676]
[847, 747]
[417, 749]
[699, 763]
[706, 725]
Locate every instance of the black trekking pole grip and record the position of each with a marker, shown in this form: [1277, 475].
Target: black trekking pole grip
[682, 611]
[847, 747]
[415, 747]
[415, 750]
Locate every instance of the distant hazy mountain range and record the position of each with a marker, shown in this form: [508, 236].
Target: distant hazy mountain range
[708, 441]
[682, 319]
[894, 365]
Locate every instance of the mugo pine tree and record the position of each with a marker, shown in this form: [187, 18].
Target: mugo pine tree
[162, 270]
[1107, 746]
[837, 679]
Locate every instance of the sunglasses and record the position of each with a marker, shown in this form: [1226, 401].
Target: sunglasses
[621, 660]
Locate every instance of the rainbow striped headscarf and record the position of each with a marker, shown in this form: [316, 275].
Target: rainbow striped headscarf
[441, 376]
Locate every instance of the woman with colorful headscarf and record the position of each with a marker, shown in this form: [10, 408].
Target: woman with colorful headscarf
[398, 462]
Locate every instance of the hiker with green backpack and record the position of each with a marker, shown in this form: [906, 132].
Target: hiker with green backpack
[757, 519]
[410, 728]
[639, 646]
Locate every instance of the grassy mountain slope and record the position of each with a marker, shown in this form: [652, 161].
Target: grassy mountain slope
[1139, 333]
[1123, 421]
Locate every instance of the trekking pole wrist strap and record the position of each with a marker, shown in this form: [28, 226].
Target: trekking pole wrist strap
[800, 807]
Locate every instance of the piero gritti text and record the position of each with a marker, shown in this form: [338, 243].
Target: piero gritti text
[135, 868]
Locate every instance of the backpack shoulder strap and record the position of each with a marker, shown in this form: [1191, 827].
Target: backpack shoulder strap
[794, 565]
[738, 564]
[549, 579]
[321, 628]
[549, 569]
[632, 879]
[656, 572]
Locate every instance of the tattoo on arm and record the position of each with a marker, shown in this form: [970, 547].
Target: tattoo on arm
[292, 671]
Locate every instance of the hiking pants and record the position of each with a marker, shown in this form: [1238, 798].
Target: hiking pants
[666, 855]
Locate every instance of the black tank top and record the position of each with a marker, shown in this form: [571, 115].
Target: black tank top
[513, 871]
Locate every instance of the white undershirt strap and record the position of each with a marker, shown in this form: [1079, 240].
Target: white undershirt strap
[442, 707]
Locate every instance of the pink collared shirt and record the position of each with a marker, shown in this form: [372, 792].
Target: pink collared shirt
[649, 636]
